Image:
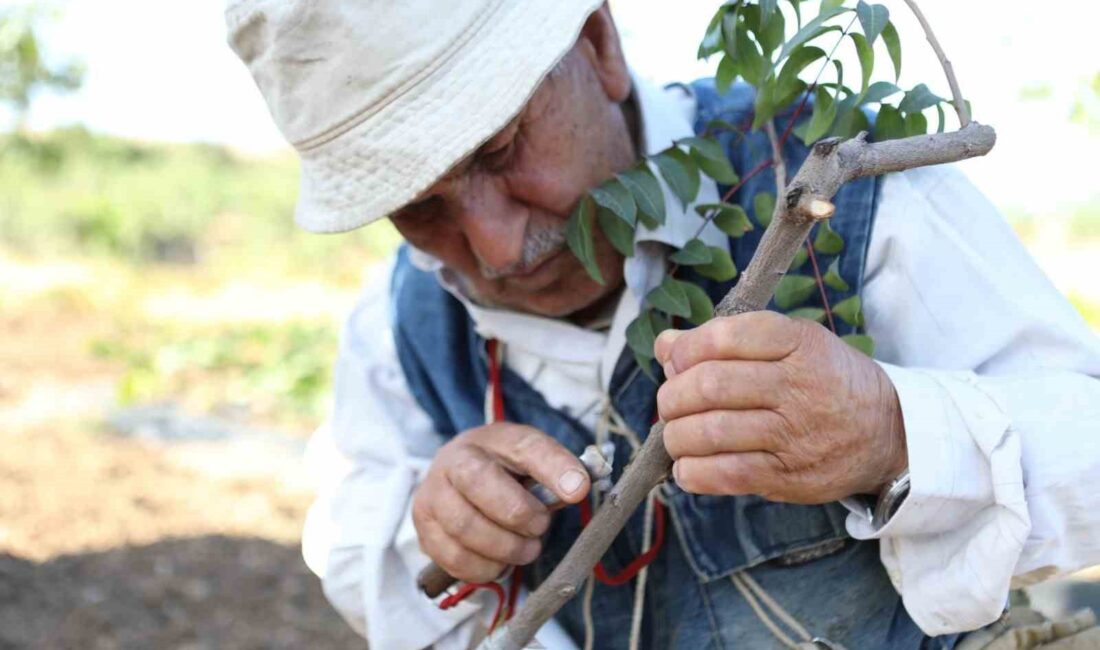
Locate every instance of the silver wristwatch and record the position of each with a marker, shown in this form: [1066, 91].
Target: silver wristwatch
[889, 500]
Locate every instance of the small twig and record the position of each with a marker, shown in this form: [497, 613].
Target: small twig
[948, 69]
[779, 164]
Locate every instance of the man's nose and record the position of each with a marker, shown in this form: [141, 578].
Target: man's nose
[493, 224]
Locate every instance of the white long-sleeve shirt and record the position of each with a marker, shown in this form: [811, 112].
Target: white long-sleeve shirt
[998, 378]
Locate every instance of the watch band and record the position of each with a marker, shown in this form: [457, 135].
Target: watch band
[889, 500]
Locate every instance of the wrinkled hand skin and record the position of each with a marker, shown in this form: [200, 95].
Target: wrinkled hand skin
[472, 514]
[760, 403]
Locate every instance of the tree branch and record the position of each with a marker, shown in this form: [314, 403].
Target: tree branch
[948, 69]
[807, 200]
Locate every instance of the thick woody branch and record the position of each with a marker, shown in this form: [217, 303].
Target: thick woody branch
[807, 199]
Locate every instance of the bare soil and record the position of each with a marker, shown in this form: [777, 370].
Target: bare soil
[109, 542]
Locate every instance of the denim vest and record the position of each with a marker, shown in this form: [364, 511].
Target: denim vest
[801, 554]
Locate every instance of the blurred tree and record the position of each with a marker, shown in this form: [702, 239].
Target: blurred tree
[24, 69]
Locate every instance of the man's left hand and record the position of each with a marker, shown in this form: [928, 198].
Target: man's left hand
[761, 403]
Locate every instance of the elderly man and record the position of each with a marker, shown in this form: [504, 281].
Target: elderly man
[475, 126]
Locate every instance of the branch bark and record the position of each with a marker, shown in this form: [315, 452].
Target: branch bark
[807, 199]
[948, 69]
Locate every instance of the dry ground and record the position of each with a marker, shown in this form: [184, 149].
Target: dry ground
[110, 542]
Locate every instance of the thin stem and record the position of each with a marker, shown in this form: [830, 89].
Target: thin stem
[820, 285]
[948, 69]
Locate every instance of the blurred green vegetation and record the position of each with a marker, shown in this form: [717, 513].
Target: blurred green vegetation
[158, 219]
[72, 192]
[277, 373]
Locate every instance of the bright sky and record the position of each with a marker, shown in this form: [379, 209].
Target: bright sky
[161, 70]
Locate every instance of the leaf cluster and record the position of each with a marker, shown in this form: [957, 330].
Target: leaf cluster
[772, 48]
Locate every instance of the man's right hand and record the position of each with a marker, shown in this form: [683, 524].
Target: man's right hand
[472, 514]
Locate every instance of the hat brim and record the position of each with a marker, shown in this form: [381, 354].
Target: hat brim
[396, 153]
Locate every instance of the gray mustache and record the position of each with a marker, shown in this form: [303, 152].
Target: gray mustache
[536, 248]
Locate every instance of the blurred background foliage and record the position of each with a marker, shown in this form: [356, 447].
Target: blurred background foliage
[131, 222]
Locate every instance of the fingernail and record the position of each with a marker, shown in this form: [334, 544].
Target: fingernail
[676, 472]
[531, 552]
[670, 371]
[570, 481]
[669, 336]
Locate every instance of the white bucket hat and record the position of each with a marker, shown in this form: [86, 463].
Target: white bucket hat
[382, 97]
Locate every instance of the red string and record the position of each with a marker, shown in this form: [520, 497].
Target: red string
[464, 592]
[637, 564]
[494, 380]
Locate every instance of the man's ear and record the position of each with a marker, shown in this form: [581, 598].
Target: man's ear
[606, 53]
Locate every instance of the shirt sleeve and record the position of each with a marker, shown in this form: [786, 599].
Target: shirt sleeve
[368, 458]
[997, 376]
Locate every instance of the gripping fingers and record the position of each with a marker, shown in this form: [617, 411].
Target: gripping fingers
[530, 452]
[454, 558]
[498, 495]
[754, 472]
[476, 532]
[715, 432]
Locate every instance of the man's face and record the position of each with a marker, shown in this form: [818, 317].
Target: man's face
[497, 220]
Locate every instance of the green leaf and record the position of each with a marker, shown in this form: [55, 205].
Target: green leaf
[809, 313]
[712, 159]
[614, 196]
[799, 59]
[810, 31]
[727, 72]
[827, 241]
[793, 290]
[822, 118]
[752, 64]
[764, 106]
[830, 4]
[730, 218]
[893, 47]
[640, 336]
[799, 259]
[670, 298]
[721, 267]
[771, 31]
[861, 342]
[839, 78]
[879, 91]
[850, 119]
[701, 306]
[833, 278]
[680, 172]
[918, 99]
[916, 124]
[889, 124]
[940, 118]
[866, 56]
[647, 192]
[578, 234]
[712, 39]
[873, 19]
[619, 232]
[767, 8]
[849, 311]
[763, 206]
[694, 253]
